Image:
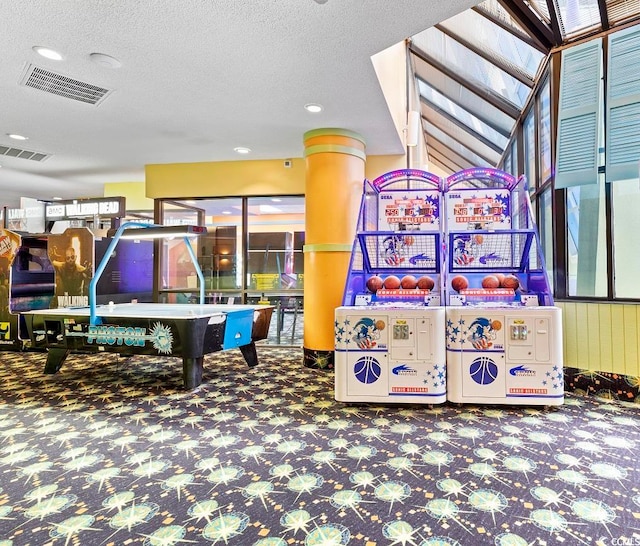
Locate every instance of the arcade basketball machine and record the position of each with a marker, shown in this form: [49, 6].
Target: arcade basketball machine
[389, 331]
[503, 333]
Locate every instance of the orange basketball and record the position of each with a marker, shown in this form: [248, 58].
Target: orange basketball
[490, 281]
[511, 281]
[459, 282]
[392, 282]
[425, 283]
[374, 283]
[408, 282]
[500, 277]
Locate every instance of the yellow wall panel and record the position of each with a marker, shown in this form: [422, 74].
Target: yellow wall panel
[225, 178]
[377, 165]
[239, 178]
[592, 322]
[630, 340]
[617, 338]
[582, 337]
[601, 337]
[133, 192]
[569, 333]
[601, 327]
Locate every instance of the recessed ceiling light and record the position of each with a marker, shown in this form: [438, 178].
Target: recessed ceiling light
[14, 136]
[105, 60]
[242, 150]
[268, 209]
[313, 107]
[276, 200]
[226, 212]
[47, 53]
[57, 198]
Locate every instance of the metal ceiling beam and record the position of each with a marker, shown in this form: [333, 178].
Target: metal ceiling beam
[526, 38]
[484, 92]
[436, 143]
[479, 115]
[474, 134]
[445, 163]
[448, 171]
[445, 151]
[495, 60]
[555, 21]
[604, 15]
[530, 22]
[457, 141]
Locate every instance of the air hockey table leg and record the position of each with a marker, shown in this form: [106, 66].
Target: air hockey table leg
[55, 359]
[192, 371]
[250, 354]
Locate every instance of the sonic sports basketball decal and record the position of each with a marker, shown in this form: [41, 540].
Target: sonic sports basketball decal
[412, 210]
[487, 209]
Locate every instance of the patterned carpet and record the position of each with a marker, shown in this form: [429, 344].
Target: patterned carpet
[113, 451]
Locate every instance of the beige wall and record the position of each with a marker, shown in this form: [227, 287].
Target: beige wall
[391, 69]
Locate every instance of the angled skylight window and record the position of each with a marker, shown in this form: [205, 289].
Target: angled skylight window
[540, 8]
[577, 16]
[471, 66]
[497, 42]
[449, 144]
[621, 10]
[462, 115]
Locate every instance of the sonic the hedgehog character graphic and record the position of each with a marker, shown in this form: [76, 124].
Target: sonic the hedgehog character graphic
[483, 332]
[367, 332]
[394, 246]
[466, 248]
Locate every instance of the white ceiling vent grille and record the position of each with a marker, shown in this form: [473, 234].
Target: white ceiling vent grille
[63, 86]
[22, 154]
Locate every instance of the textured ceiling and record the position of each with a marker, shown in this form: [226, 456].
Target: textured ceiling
[198, 78]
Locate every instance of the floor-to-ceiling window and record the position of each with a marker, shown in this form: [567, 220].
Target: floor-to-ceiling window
[250, 253]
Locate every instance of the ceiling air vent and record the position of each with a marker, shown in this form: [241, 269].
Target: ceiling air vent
[22, 154]
[63, 86]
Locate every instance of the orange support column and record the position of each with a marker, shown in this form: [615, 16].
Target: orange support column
[335, 161]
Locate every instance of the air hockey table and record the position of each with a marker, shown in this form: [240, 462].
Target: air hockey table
[189, 331]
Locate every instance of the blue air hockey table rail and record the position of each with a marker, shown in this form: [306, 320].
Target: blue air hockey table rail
[187, 330]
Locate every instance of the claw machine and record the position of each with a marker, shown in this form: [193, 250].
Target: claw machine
[389, 331]
[503, 333]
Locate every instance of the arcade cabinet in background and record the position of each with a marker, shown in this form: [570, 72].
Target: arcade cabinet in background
[26, 283]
